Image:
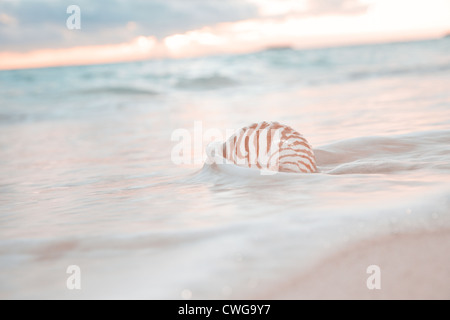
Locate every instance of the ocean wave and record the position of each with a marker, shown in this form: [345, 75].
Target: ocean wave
[206, 83]
[363, 74]
[362, 155]
[120, 90]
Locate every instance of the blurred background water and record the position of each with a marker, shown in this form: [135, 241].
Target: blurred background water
[86, 175]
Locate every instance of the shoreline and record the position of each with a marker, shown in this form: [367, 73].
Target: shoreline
[412, 266]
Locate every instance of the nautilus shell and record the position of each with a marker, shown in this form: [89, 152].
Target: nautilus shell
[268, 146]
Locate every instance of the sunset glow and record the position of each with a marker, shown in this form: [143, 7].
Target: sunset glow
[282, 23]
[140, 48]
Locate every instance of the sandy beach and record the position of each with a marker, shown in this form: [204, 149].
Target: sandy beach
[413, 266]
[106, 191]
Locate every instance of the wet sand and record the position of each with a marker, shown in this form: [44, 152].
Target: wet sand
[413, 266]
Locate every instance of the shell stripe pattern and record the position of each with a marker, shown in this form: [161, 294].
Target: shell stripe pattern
[272, 146]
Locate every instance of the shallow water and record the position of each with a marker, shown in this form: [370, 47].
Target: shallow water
[87, 176]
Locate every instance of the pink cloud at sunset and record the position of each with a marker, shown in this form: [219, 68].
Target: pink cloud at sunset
[300, 24]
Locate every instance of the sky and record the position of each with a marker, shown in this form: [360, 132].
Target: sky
[33, 33]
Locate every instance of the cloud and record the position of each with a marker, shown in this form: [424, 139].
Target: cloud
[7, 20]
[42, 23]
[120, 30]
[341, 7]
[309, 8]
[36, 24]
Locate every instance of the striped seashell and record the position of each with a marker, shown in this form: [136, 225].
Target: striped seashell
[270, 146]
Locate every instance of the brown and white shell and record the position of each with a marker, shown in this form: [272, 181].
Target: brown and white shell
[270, 146]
